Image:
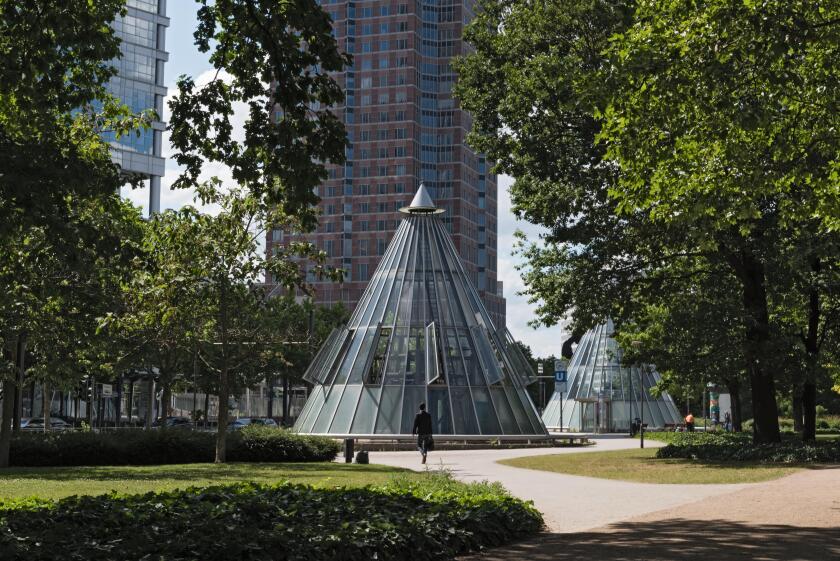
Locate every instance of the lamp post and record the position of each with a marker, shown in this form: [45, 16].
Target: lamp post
[636, 345]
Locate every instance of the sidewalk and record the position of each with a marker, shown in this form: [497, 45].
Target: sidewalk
[569, 503]
[795, 518]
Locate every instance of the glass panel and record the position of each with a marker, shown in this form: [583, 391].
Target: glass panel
[415, 364]
[396, 357]
[358, 336]
[366, 412]
[506, 418]
[344, 413]
[389, 410]
[317, 399]
[414, 396]
[454, 364]
[360, 362]
[486, 355]
[326, 414]
[339, 358]
[530, 410]
[470, 360]
[518, 409]
[377, 364]
[432, 369]
[316, 372]
[487, 418]
[463, 414]
[439, 410]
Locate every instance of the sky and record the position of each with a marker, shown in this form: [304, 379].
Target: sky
[184, 58]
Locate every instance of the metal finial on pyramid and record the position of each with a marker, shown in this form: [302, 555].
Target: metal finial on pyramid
[422, 203]
[420, 334]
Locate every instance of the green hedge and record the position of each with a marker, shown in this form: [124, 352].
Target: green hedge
[247, 521]
[730, 447]
[172, 446]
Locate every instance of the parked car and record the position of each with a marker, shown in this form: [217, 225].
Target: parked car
[241, 423]
[182, 423]
[37, 424]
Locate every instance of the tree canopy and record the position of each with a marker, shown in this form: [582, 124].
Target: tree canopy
[668, 147]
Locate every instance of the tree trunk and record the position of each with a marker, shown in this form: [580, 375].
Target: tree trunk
[91, 400]
[285, 400]
[206, 407]
[809, 406]
[796, 407]
[270, 409]
[734, 388]
[150, 404]
[46, 403]
[757, 345]
[6, 420]
[166, 400]
[224, 390]
[812, 348]
[20, 361]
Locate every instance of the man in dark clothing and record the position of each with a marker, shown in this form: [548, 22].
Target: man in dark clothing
[423, 430]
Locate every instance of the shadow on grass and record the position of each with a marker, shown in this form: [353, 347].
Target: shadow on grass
[191, 472]
[678, 540]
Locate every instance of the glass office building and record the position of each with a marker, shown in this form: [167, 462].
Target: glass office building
[139, 84]
[404, 127]
[604, 396]
[420, 333]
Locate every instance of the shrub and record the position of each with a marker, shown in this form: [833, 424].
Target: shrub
[130, 447]
[739, 448]
[403, 520]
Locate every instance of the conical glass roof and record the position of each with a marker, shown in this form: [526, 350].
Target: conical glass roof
[420, 333]
[604, 396]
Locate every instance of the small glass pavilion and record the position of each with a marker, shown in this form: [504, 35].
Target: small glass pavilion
[604, 396]
[420, 333]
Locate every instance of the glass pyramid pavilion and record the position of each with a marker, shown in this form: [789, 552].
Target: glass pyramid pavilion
[420, 333]
[604, 396]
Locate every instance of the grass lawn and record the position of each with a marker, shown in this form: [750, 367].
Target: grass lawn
[54, 483]
[640, 465]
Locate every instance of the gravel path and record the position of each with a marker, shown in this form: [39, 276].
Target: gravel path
[795, 518]
[569, 503]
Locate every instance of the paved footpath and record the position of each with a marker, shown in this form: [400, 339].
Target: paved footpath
[569, 503]
[795, 518]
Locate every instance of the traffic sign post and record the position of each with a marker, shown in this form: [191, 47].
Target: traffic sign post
[560, 385]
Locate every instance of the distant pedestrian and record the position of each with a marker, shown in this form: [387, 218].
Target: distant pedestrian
[689, 422]
[727, 421]
[423, 430]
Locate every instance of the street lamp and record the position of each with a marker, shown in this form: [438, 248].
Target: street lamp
[637, 345]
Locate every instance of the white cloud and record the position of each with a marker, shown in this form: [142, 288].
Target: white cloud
[543, 341]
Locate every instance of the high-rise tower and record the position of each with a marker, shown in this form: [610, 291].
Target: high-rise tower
[404, 127]
[139, 84]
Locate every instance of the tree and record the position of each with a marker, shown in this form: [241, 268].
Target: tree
[161, 314]
[616, 118]
[275, 57]
[54, 168]
[723, 122]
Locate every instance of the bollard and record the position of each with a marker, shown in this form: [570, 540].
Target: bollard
[348, 450]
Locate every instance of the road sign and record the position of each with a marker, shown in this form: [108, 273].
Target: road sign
[540, 368]
[559, 373]
[107, 390]
[560, 387]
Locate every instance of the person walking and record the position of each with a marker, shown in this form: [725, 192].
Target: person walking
[423, 430]
[727, 421]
